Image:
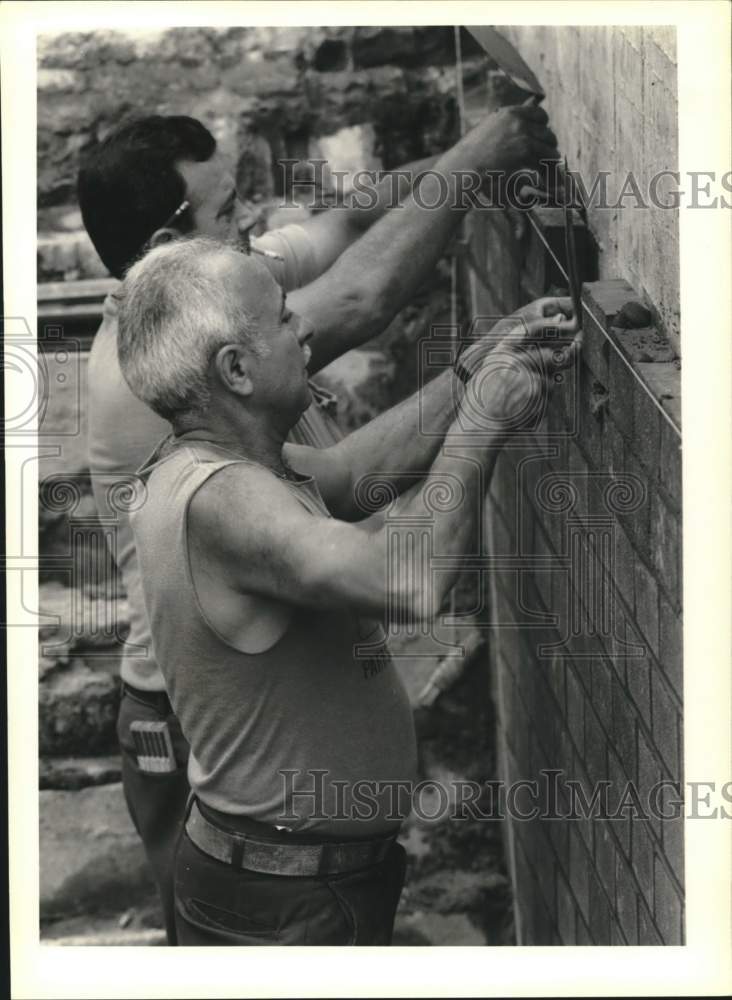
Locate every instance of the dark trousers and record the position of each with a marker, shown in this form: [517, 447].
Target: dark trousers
[217, 904]
[156, 802]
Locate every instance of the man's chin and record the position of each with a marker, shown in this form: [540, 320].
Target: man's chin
[307, 393]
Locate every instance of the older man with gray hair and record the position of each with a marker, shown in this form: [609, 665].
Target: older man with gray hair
[266, 588]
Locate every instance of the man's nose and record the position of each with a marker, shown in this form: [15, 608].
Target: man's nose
[247, 214]
[305, 330]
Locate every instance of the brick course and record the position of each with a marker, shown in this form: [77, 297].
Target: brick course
[604, 706]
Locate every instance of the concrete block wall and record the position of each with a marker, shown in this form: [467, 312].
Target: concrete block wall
[588, 651]
[613, 102]
[583, 522]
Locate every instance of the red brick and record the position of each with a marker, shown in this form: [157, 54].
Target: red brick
[668, 908]
[665, 722]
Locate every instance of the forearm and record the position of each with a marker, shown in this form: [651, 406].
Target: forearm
[379, 273]
[446, 507]
[399, 252]
[376, 276]
[374, 193]
[370, 200]
[404, 440]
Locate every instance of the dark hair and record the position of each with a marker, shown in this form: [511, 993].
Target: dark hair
[128, 185]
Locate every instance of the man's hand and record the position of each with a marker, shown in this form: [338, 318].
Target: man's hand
[512, 137]
[510, 385]
[531, 319]
[525, 324]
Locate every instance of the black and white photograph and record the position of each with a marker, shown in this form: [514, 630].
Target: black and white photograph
[353, 497]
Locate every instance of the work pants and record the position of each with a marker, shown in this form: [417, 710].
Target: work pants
[156, 801]
[218, 904]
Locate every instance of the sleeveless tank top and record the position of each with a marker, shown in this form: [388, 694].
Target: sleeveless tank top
[315, 734]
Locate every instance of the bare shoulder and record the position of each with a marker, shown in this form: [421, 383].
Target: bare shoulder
[238, 502]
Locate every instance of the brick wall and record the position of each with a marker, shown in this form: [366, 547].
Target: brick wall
[583, 528]
[612, 96]
[587, 649]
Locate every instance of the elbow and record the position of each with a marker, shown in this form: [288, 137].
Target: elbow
[368, 306]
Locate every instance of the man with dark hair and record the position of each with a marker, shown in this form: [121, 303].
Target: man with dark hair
[266, 587]
[157, 180]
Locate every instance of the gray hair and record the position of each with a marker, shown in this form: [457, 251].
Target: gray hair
[176, 310]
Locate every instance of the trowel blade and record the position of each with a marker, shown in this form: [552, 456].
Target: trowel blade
[503, 53]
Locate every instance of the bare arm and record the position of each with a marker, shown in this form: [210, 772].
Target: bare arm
[379, 273]
[262, 541]
[403, 441]
[333, 231]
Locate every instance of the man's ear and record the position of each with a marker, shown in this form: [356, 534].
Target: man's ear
[162, 236]
[233, 368]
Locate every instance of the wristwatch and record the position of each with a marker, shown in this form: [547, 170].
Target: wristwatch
[462, 372]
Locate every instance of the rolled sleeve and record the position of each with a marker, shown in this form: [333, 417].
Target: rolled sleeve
[299, 266]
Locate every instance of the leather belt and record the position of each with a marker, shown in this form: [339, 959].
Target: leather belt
[276, 858]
